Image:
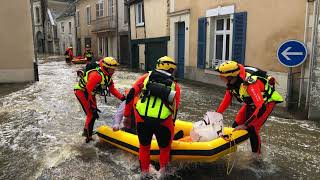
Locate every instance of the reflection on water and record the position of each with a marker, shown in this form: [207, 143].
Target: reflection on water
[41, 127]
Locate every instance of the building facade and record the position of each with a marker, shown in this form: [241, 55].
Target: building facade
[102, 26]
[205, 34]
[66, 30]
[17, 50]
[45, 13]
[149, 31]
[38, 20]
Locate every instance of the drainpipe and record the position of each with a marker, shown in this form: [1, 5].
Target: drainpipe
[35, 62]
[129, 34]
[117, 31]
[304, 64]
[75, 31]
[44, 7]
[312, 55]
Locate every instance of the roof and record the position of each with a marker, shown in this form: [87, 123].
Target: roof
[70, 11]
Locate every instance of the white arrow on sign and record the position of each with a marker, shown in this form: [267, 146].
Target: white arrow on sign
[286, 54]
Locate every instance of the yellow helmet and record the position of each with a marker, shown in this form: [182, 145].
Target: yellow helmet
[228, 68]
[166, 63]
[109, 62]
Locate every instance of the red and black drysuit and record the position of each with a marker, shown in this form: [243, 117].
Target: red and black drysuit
[69, 54]
[86, 97]
[255, 110]
[146, 127]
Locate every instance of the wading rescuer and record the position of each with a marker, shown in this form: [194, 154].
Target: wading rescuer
[68, 54]
[88, 54]
[254, 88]
[155, 110]
[94, 81]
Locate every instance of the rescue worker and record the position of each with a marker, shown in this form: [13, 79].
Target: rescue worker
[92, 82]
[155, 110]
[88, 54]
[68, 54]
[254, 88]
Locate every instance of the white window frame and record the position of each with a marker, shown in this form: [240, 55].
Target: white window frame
[101, 46]
[100, 9]
[139, 15]
[214, 62]
[88, 15]
[110, 7]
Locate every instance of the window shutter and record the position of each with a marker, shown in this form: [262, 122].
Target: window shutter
[239, 37]
[202, 30]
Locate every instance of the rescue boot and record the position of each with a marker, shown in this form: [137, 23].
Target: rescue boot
[85, 133]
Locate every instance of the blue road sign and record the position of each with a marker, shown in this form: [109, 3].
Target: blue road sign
[292, 53]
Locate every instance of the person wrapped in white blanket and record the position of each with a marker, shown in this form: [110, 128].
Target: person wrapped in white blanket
[211, 127]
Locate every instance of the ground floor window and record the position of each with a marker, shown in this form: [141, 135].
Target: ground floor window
[103, 46]
[220, 40]
[87, 42]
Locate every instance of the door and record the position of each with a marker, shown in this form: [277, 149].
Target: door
[124, 50]
[181, 50]
[154, 51]
[79, 47]
[135, 56]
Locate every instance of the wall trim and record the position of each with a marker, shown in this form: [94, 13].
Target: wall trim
[149, 40]
[178, 13]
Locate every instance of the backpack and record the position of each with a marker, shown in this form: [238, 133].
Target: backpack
[256, 71]
[86, 68]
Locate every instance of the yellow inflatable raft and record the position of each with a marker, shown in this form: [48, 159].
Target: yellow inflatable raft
[181, 150]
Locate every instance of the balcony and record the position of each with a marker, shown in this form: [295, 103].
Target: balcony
[104, 24]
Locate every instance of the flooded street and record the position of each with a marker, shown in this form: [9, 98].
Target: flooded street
[41, 126]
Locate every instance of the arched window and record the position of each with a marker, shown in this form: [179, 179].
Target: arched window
[37, 15]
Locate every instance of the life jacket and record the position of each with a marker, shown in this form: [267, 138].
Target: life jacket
[153, 101]
[88, 54]
[252, 74]
[101, 88]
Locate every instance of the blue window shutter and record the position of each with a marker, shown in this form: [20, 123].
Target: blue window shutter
[239, 37]
[202, 31]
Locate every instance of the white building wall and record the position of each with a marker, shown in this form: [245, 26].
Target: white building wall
[67, 39]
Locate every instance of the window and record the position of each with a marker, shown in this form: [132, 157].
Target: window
[62, 26]
[102, 46]
[77, 19]
[139, 14]
[99, 8]
[221, 40]
[125, 14]
[110, 7]
[55, 31]
[87, 41]
[37, 15]
[49, 30]
[88, 15]
[70, 27]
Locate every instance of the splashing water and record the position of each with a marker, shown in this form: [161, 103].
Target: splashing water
[41, 125]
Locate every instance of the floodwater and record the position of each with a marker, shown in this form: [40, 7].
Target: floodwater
[41, 125]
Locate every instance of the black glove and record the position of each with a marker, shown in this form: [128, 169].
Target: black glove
[123, 98]
[95, 114]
